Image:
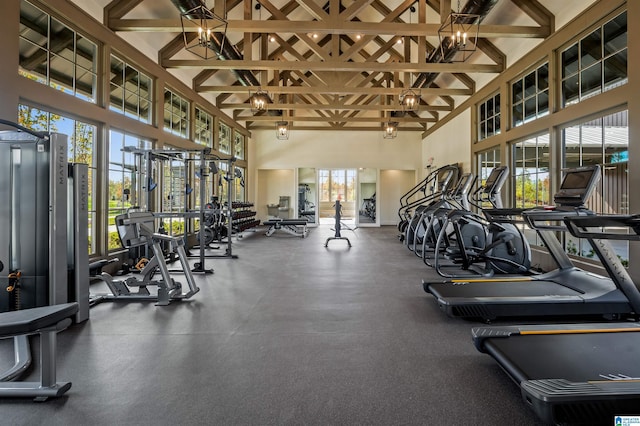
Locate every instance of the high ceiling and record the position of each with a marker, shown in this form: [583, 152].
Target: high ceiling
[336, 64]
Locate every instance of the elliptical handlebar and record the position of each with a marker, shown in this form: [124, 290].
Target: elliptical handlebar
[438, 180]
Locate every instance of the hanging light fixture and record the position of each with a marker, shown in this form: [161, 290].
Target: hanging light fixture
[282, 130]
[206, 22]
[259, 101]
[458, 35]
[390, 130]
[410, 99]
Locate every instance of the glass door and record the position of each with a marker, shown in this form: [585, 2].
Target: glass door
[337, 184]
[367, 204]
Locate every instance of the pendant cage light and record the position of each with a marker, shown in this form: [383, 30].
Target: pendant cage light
[205, 22]
[390, 130]
[282, 130]
[458, 35]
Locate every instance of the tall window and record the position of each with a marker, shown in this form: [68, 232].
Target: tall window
[224, 140]
[81, 145]
[175, 190]
[603, 141]
[531, 172]
[489, 117]
[52, 53]
[128, 182]
[130, 91]
[530, 96]
[487, 161]
[238, 145]
[204, 128]
[239, 185]
[176, 114]
[597, 63]
[223, 184]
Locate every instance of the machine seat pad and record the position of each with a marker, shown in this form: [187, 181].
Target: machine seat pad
[29, 321]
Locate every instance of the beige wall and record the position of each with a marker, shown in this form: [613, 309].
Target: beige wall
[449, 144]
[393, 184]
[271, 185]
[274, 163]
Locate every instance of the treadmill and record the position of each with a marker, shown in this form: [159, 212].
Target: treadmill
[579, 373]
[565, 291]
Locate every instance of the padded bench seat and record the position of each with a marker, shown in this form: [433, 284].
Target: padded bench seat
[297, 227]
[46, 321]
[30, 321]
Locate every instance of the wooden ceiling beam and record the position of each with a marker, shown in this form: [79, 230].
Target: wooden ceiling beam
[335, 90]
[331, 66]
[324, 27]
[334, 106]
[537, 12]
[312, 119]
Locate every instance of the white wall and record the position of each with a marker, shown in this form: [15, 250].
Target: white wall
[327, 149]
[393, 184]
[271, 185]
[448, 145]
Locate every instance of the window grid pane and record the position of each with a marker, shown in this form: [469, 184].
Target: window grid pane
[53, 54]
[530, 96]
[176, 114]
[489, 117]
[592, 65]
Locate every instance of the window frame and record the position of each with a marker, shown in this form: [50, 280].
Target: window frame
[130, 94]
[575, 75]
[489, 113]
[56, 61]
[176, 113]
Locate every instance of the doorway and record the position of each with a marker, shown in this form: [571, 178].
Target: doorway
[337, 184]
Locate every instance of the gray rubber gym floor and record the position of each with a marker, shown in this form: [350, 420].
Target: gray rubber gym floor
[291, 332]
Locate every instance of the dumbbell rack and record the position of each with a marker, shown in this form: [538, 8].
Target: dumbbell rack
[243, 216]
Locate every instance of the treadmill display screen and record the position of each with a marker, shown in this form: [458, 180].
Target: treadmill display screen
[577, 180]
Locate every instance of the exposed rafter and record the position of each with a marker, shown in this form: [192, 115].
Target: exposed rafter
[340, 63]
[324, 27]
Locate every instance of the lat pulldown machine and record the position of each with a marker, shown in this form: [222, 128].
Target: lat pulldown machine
[43, 229]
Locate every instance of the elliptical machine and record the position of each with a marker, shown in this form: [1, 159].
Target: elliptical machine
[439, 182]
[485, 194]
[427, 229]
[470, 244]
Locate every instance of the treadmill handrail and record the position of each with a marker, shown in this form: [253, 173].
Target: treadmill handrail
[535, 218]
[605, 252]
[578, 225]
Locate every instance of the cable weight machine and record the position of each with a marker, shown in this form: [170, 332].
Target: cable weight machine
[202, 164]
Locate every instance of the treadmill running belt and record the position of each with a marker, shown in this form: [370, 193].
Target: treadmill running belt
[574, 378]
[574, 357]
[502, 289]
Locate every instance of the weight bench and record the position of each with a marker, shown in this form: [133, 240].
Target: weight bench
[297, 227]
[46, 321]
